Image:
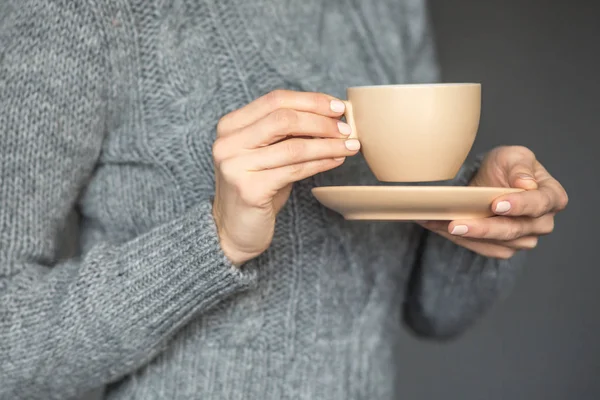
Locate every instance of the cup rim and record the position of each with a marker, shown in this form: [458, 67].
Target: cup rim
[416, 85]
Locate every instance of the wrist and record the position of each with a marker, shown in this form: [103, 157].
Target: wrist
[236, 258]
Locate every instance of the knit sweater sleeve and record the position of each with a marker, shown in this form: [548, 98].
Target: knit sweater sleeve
[70, 326]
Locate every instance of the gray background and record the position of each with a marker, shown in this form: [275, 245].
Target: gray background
[539, 66]
[538, 62]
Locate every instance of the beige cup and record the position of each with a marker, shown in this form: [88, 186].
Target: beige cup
[415, 132]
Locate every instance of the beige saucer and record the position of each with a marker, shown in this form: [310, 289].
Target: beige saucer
[410, 202]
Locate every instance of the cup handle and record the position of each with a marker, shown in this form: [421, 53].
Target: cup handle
[349, 114]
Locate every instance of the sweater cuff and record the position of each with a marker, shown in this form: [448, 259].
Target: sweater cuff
[179, 271]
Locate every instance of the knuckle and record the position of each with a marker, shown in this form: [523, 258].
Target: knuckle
[250, 194]
[563, 201]
[539, 209]
[548, 226]
[297, 169]
[230, 171]
[285, 118]
[522, 151]
[315, 99]
[276, 98]
[538, 212]
[294, 149]
[219, 151]
[515, 231]
[222, 125]
[523, 209]
[546, 205]
[484, 231]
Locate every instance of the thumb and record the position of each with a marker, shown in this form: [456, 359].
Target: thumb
[521, 173]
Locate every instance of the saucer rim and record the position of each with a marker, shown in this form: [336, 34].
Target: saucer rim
[420, 188]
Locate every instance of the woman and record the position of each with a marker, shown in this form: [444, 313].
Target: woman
[206, 268]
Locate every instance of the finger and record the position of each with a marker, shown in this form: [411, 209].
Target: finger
[276, 127]
[317, 103]
[285, 123]
[283, 176]
[486, 249]
[521, 164]
[522, 243]
[548, 198]
[533, 204]
[553, 187]
[521, 176]
[502, 228]
[295, 151]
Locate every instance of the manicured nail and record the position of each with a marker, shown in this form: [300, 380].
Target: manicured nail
[339, 159]
[337, 106]
[502, 207]
[344, 128]
[352, 144]
[460, 230]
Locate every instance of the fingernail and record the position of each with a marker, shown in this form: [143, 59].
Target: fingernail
[337, 106]
[339, 159]
[460, 230]
[352, 144]
[344, 128]
[525, 176]
[502, 207]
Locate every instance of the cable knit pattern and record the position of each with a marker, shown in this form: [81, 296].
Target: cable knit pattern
[109, 107]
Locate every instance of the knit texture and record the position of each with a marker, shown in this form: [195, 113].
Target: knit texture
[109, 107]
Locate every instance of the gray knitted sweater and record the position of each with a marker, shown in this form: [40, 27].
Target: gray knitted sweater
[109, 107]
